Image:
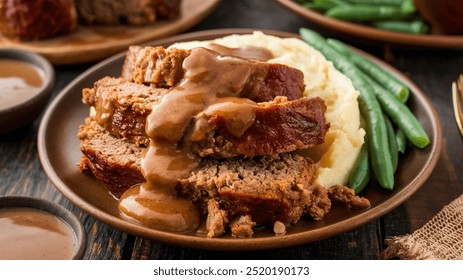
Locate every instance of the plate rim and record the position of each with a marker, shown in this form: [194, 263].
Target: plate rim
[255, 243]
[371, 33]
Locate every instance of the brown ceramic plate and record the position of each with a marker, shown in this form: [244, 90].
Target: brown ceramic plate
[366, 33]
[89, 44]
[59, 152]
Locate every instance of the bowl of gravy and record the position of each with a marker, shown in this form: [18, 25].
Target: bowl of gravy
[38, 229]
[26, 82]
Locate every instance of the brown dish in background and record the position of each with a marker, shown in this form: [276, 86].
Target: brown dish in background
[59, 151]
[371, 34]
[94, 43]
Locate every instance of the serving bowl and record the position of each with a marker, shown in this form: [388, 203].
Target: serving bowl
[17, 113]
[44, 207]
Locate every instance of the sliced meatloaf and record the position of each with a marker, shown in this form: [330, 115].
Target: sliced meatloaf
[135, 12]
[279, 126]
[113, 161]
[122, 107]
[269, 188]
[163, 68]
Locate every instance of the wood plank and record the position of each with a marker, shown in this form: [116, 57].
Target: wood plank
[361, 243]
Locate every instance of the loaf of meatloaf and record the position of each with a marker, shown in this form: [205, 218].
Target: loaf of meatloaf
[26, 19]
[239, 193]
[268, 188]
[279, 126]
[136, 12]
[241, 181]
[163, 68]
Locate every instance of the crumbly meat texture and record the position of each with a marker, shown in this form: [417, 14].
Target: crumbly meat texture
[154, 65]
[242, 226]
[271, 188]
[319, 204]
[347, 197]
[216, 220]
[280, 126]
[163, 68]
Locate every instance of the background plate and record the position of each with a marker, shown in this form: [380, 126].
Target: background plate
[59, 152]
[370, 34]
[94, 43]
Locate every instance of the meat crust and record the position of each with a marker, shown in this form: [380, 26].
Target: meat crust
[280, 126]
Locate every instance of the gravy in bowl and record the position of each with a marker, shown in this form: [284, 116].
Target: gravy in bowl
[19, 81]
[30, 234]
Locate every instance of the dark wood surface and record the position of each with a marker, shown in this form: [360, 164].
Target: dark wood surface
[433, 71]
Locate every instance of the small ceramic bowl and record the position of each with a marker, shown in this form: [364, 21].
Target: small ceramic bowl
[72, 223]
[20, 114]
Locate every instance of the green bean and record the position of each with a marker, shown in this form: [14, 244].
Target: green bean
[324, 5]
[401, 116]
[360, 175]
[369, 108]
[315, 7]
[413, 27]
[377, 2]
[383, 77]
[301, 2]
[401, 140]
[331, 3]
[367, 13]
[408, 7]
[392, 143]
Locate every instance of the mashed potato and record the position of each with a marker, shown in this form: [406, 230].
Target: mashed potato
[336, 157]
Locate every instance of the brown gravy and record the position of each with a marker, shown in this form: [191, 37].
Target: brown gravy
[211, 86]
[159, 209]
[248, 52]
[29, 234]
[19, 81]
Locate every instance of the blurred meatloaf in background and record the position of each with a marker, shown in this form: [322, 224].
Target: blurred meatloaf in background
[37, 19]
[134, 12]
[40, 19]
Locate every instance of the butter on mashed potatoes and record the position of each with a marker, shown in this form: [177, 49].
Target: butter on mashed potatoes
[336, 157]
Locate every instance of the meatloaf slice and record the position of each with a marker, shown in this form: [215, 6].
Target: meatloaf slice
[135, 12]
[279, 126]
[163, 68]
[122, 107]
[269, 189]
[113, 161]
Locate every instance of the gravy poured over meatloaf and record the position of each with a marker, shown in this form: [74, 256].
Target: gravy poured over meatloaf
[210, 135]
[213, 84]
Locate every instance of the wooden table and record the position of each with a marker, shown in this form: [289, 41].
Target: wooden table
[433, 71]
